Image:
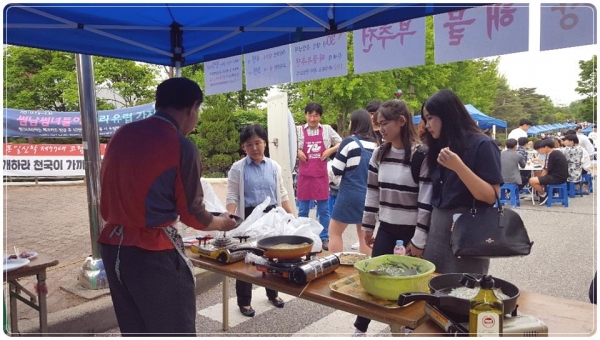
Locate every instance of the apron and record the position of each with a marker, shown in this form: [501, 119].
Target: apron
[313, 181]
[173, 236]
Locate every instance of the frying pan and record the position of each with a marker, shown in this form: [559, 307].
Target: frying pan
[443, 284]
[265, 247]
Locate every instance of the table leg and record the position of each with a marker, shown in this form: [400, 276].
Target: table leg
[42, 291]
[225, 303]
[14, 316]
[397, 329]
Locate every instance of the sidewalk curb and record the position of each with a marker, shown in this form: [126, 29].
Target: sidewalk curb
[98, 316]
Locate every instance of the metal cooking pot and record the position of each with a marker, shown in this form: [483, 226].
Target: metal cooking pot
[265, 247]
[443, 284]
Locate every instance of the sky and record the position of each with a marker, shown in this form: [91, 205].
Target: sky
[553, 73]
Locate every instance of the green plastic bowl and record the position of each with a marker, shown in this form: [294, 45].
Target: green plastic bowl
[390, 287]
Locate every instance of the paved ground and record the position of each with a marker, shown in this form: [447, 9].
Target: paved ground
[54, 220]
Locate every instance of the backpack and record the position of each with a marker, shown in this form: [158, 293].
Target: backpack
[415, 161]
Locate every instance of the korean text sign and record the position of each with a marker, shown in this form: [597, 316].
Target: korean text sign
[387, 47]
[268, 67]
[324, 57]
[481, 32]
[44, 160]
[223, 75]
[567, 25]
[41, 123]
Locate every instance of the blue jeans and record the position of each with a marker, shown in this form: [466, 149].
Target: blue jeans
[322, 212]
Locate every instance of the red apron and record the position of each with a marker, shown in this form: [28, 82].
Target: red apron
[313, 182]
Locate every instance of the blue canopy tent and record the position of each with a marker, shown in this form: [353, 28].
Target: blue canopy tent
[178, 35]
[588, 129]
[484, 121]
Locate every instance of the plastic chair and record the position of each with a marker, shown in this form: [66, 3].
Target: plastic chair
[562, 194]
[590, 181]
[509, 193]
[573, 191]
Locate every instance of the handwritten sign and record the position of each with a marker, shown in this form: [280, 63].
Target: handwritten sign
[387, 47]
[319, 58]
[567, 25]
[268, 67]
[45, 160]
[481, 32]
[223, 75]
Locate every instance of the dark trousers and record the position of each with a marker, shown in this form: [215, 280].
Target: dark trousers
[385, 241]
[243, 289]
[156, 293]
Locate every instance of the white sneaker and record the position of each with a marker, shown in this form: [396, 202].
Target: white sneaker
[355, 245]
[358, 333]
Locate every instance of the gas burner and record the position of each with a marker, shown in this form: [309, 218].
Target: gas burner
[223, 242]
[219, 248]
[300, 270]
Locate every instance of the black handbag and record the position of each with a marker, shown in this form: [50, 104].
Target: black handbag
[489, 232]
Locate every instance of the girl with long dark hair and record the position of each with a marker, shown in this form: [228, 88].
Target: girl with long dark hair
[465, 170]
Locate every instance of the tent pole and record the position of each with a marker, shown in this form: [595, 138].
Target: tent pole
[92, 274]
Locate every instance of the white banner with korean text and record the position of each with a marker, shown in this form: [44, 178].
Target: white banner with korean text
[324, 57]
[481, 32]
[567, 25]
[268, 67]
[387, 47]
[223, 75]
[44, 160]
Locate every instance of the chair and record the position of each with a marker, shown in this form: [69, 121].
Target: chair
[562, 194]
[590, 181]
[509, 193]
[573, 191]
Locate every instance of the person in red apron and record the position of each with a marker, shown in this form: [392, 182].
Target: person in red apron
[315, 146]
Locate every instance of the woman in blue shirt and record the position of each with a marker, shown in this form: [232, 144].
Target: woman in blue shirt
[465, 170]
[250, 181]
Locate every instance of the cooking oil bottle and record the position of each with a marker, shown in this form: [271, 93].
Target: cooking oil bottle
[486, 315]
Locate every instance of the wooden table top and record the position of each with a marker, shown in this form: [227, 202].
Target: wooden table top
[562, 316]
[317, 291]
[41, 262]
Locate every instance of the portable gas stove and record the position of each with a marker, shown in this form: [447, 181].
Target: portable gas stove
[301, 270]
[515, 324]
[219, 248]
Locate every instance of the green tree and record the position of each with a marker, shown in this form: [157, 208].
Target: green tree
[217, 139]
[586, 86]
[134, 82]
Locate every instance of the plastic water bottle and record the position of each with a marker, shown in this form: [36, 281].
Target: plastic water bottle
[399, 248]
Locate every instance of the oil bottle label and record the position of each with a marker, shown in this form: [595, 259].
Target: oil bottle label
[488, 324]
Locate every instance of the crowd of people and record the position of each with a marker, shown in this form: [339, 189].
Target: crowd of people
[406, 182]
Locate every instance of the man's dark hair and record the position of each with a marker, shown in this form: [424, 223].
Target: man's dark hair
[510, 143]
[373, 106]
[578, 127]
[178, 93]
[570, 132]
[537, 144]
[251, 130]
[498, 142]
[547, 143]
[523, 141]
[310, 107]
[525, 121]
[572, 137]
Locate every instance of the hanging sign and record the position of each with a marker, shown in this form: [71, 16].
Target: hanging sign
[45, 160]
[567, 25]
[268, 67]
[387, 47]
[324, 57]
[481, 32]
[223, 75]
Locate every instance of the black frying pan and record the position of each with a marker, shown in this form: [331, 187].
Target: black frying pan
[267, 244]
[443, 284]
